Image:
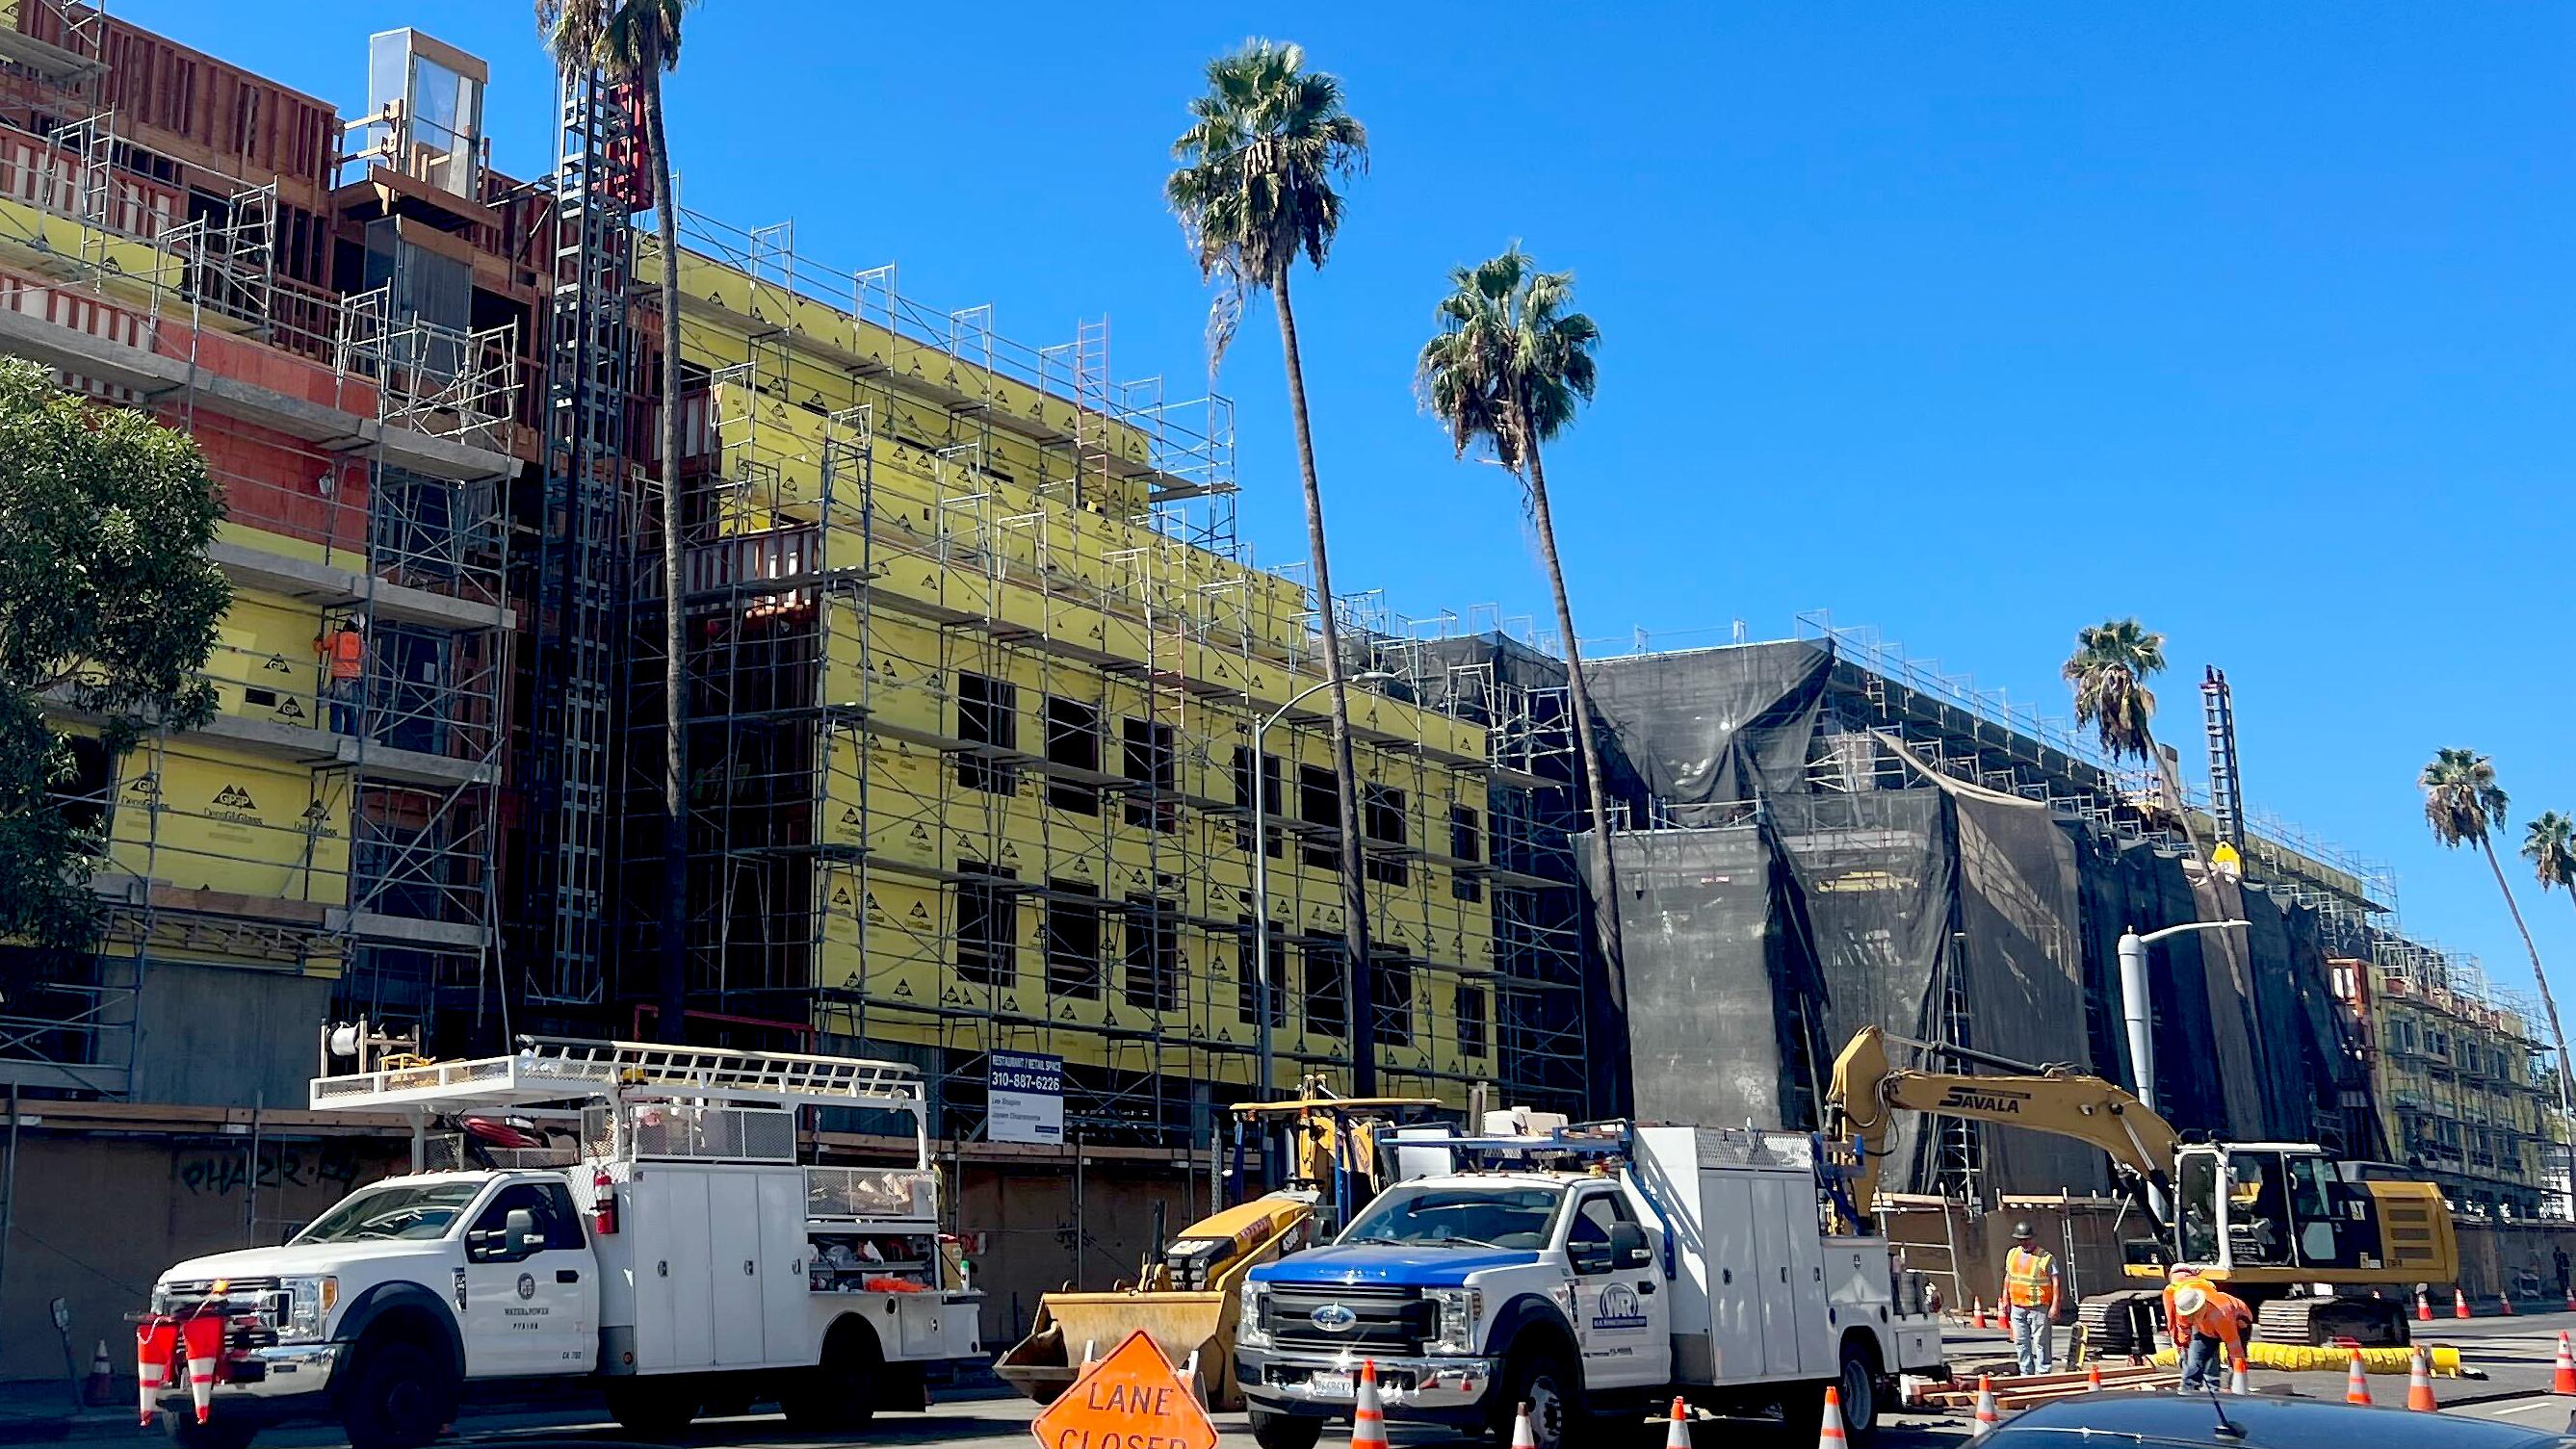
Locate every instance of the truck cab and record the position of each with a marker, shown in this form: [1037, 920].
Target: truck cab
[1596, 1271]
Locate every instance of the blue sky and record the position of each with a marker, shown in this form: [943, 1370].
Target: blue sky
[1975, 323]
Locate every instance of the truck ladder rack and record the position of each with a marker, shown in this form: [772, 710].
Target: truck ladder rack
[720, 1071]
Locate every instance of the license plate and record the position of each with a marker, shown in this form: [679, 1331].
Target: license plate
[1334, 1384]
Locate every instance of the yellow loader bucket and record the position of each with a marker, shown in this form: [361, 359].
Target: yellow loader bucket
[1043, 1364]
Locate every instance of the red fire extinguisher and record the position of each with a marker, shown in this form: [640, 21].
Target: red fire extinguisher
[603, 1202]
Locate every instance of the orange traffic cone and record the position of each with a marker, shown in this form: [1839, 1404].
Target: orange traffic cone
[2459, 1304]
[1980, 1318]
[2563, 1379]
[1524, 1433]
[2239, 1379]
[2419, 1385]
[1678, 1436]
[101, 1387]
[153, 1342]
[1368, 1416]
[2571, 1300]
[2093, 1376]
[2424, 1306]
[2356, 1384]
[204, 1337]
[1829, 1427]
[2505, 1300]
[1987, 1418]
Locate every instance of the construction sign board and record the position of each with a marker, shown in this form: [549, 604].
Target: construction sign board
[1024, 1098]
[1130, 1400]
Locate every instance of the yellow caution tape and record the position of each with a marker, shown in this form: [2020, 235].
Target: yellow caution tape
[2300, 1358]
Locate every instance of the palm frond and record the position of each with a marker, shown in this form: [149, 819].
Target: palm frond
[2462, 802]
[2549, 843]
[2109, 669]
[1507, 354]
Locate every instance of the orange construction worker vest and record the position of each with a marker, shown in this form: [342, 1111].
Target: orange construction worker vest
[2026, 1278]
[348, 651]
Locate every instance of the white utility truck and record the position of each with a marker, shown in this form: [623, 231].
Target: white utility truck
[1586, 1271]
[632, 1215]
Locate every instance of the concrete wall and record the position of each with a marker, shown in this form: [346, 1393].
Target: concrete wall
[222, 1036]
[97, 1219]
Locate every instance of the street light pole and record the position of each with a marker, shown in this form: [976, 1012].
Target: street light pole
[2136, 1008]
[1261, 892]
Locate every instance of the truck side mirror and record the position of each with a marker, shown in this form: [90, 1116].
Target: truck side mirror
[519, 1235]
[1628, 1246]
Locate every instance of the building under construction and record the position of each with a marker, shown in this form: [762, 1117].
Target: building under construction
[1824, 834]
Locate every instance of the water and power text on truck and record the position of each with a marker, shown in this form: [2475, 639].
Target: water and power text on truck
[632, 1216]
[1587, 1271]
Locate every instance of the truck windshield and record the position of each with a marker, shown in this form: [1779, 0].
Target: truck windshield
[1491, 1217]
[417, 1211]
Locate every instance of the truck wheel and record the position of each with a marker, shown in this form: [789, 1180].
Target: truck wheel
[1285, 1431]
[839, 1395]
[658, 1407]
[1855, 1383]
[184, 1432]
[400, 1397]
[1545, 1380]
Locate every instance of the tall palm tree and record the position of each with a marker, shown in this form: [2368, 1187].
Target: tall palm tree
[2109, 669]
[2464, 805]
[2549, 843]
[1507, 369]
[1254, 189]
[636, 43]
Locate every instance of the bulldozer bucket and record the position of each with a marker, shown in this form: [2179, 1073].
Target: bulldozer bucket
[1043, 1364]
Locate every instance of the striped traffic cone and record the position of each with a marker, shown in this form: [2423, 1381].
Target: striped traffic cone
[2419, 1385]
[1981, 1313]
[2505, 1302]
[2571, 1300]
[1524, 1433]
[204, 1337]
[2093, 1376]
[2459, 1304]
[2424, 1305]
[1987, 1418]
[2240, 1379]
[101, 1384]
[153, 1343]
[1678, 1436]
[1829, 1427]
[2562, 1380]
[2356, 1383]
[1368, 1416]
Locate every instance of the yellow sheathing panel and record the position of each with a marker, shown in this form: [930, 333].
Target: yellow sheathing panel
[200, 817]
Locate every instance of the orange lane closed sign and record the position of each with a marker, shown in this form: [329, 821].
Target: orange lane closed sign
[1129, 1400]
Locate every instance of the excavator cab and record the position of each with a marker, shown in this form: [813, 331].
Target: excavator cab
[2273, 1205]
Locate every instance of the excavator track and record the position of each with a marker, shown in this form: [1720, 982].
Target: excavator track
[2116, 1325]
[2367, 1322]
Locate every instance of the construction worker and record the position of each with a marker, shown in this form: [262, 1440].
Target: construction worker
[2030, 1302]
[344, 665]
[2217, 1320]
[2178, 1278]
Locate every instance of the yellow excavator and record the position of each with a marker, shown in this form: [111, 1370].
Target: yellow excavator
[1190, 1301]
[2273, 1221]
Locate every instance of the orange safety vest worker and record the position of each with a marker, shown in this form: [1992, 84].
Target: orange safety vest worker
[2173, 1315]
[347, 651]
[2030, 1279]
[2222, 1316]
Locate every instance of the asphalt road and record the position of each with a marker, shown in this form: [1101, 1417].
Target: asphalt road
[2515, 1355]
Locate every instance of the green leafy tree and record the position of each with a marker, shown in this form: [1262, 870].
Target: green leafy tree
[637, 43]
[1267, 144]
[1507, 369]
[2109, 669]
[108, 608]
[2465, 806]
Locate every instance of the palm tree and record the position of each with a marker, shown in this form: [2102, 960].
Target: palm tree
[1507, 369]
[2464, 805]
[2109, 669]
[1266, 145]
[2549, 843]
[636, 43]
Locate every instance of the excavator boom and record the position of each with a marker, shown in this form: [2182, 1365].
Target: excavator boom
[1868, 1090]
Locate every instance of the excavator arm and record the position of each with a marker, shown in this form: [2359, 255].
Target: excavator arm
[1868, 1090]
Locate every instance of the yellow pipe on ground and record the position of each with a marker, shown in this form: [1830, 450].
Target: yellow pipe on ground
[2304, 1358]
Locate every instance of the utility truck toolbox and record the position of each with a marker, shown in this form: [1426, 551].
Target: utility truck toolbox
[1587, 1271]
[629, 1215]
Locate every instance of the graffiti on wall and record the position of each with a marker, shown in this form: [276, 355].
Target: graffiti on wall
[330, 1167]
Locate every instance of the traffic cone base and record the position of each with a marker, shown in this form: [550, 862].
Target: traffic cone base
[1368, 1415]
[2419, 1385]
[2563, 1379]
[2356, 1383]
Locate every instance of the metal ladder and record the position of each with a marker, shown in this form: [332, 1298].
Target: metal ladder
[719, 1069]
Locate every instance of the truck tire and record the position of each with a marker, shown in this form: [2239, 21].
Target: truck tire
[184, 1432]
[658, 1407]
[1546, 1380]
[838, 1395]
[401, 1396]
[1285, 1431]
[1856, 1383]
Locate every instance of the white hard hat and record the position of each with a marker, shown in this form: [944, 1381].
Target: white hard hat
[2190, 1300]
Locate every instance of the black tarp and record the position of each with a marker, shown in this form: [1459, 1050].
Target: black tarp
[1696, 736]
[1705, 1046]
